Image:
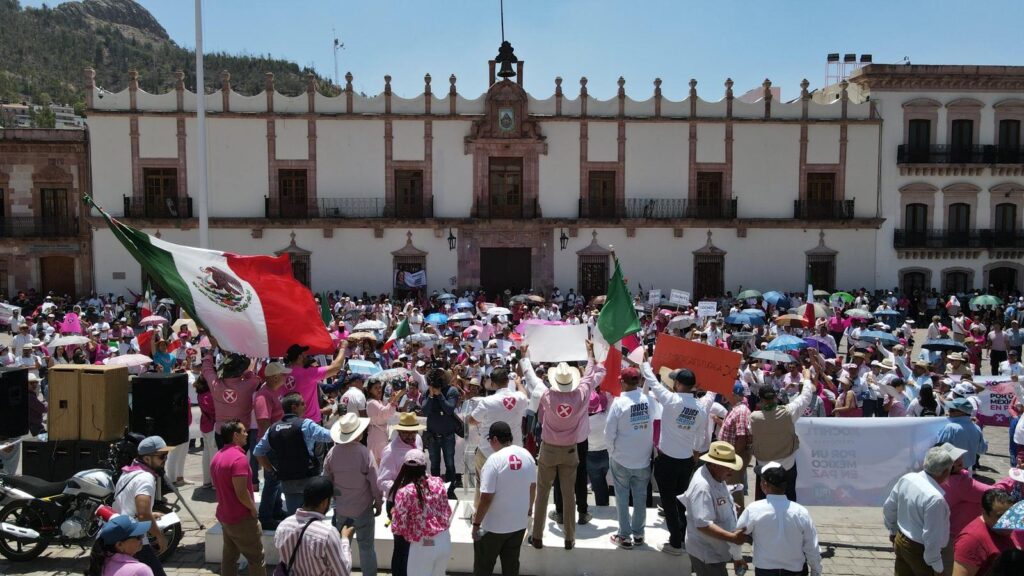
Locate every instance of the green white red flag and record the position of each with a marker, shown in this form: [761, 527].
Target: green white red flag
[400, 331]
[617, 321]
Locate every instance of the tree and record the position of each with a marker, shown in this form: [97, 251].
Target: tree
[42, 117]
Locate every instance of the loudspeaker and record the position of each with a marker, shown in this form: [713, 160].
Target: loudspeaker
[65, 402]
[13, 402]
[52, 461]
[104, 402]
[160, 406]
[91, 454]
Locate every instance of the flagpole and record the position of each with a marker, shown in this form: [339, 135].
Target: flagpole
[201, 193]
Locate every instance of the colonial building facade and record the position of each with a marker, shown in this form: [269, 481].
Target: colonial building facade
[507, 190]
[43, 245]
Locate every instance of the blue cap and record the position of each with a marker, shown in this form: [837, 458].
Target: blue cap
[737, 389]
[152, 445]
[961, 405]
[122, 527]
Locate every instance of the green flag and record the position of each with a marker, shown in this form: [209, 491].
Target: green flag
[325, 310]
[618, 317]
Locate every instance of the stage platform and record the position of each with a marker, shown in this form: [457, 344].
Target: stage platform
[594, 554]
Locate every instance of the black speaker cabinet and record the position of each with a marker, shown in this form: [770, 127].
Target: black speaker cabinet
[13, 402]
[160, 407]
[53, 461]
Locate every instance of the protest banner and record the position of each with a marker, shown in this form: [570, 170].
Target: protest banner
[707, 308]
[856, 461]
[994, 402]
[714, 367]
[654, 297]
[679, 297]
[557, 343]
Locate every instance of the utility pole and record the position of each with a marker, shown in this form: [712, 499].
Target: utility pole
[202, 195]
[338, 45]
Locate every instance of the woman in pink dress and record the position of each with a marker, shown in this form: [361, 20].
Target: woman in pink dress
[846, 402]
[380, 411]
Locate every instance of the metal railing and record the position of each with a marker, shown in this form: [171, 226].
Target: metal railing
[941, 238]
[274, 208]
[173, 207]
[506, 207]
[945, 154]
[1009, 155]
[823, 210]
[675, 208]
[30, 227]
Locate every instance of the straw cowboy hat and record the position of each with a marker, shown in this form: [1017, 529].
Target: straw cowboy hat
[723, 454]
[886, 364]
[348, 428]
[408, 422]
[563, 377]
[955, 356]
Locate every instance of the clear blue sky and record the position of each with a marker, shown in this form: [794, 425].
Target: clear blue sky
[785, 40]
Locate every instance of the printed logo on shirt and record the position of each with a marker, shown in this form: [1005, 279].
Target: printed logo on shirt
[515, 462]
[344, 400]
[230, 396]
[509, 402]
[563, 410]
[289, 383]
[640, 416]
[721, 501]
[687, 418]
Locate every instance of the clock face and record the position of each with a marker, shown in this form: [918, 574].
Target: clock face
[506, 119]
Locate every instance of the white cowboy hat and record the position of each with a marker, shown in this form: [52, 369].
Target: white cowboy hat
[563, 377]
[1017, 474]
[723, 454]
[348, 428]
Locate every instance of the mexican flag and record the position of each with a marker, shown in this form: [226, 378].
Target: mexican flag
[617, 320]
[252, 305]
[400, 331]
[809, 309]
[325, 310]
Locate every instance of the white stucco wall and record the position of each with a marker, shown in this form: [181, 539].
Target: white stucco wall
[292, 136]
[110, 150]
[237, 165]
[453, 170]
[822, 144]
[710, 142]
[862, 169]
[350, 158]
[408, 140]
[657, 160]
[602, 141]
[559, 182]
[158, 137]
[766, 172]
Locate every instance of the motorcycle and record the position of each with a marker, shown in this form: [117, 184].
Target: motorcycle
[39, 513]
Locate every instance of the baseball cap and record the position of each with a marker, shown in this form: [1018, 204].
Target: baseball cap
[415, 457]
[953, 451]
[152, 445]
[500, 431]
[630, 373]
[294, 350]
[737, 389]
[122, 527]
[276, 369]
[961, 405]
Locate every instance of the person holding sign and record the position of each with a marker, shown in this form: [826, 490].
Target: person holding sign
[773, 428]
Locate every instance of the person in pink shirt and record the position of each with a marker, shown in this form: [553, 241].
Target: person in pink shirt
[963, 495]
[236, 509]
[406, 437]
[1013, 485]
[380, 411]
[207, 417]
[305, 380]
[116, 545]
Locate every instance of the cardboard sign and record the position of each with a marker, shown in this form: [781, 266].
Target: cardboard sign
[715, 368]
[654, 297]
[679, 297]
[557, 343]
[707, 308]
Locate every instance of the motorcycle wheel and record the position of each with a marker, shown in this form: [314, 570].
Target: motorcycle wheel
[173, 535]
[21, 514]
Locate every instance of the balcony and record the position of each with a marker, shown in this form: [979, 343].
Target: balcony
[941, 238]
[827, 210]
[341, 208]
[1009, 155]
[511, 206]
[677, 208]
[29, 227]
[172, 207]
[945, 154]
[1005, 238]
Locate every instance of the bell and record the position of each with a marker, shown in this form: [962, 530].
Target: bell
[506, 57]
[506, 70]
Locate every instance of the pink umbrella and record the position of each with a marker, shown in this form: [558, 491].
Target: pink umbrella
[130, 360]
[521, 328]
[152, 320]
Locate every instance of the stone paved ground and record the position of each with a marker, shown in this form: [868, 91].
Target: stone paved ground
[853, 540]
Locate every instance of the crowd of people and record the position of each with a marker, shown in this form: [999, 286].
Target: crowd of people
[397, 427]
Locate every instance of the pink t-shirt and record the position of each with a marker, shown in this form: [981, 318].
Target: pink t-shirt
[305, 382]
[979, 547]
[229, 462]
[125, 565]
[963, 494]
[266, 404]
[232, 398]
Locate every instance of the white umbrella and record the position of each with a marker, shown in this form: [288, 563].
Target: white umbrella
[67, 341]
[370, 325]
[461, 316]
[129, 360]
[498, 311]
[447, 296]
[422, 338]
[681, 322]
[166, 301]
[153, 320]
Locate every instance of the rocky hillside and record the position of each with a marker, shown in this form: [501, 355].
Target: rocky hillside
[43, 52]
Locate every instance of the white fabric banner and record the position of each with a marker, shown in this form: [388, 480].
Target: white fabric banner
[856, 461]
[557, 343]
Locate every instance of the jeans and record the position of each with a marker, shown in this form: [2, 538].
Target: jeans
[673, 476]
[492, 546]
[597, 470]
[400, 557]
[1013, 445]
[292, 502]
[630, 482]
[364, 524]
[581, 483]
[790, 483]
[430, 560]
[271, 509]
[10, 460]
[437, 444]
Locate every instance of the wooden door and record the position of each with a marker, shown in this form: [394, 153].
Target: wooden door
[708, 276]
[409, 193]
[53, 211]
[505, 268]
[602, 195]
[293, 195]
[506, 188]
[709, 196]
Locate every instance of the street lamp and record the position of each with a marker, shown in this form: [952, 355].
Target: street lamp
[563, 240]
[452, 240]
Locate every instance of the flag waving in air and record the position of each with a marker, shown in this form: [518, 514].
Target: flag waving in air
[809, 308]
[617, 320]
[252, 305]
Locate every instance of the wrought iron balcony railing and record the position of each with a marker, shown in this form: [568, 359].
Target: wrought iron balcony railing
[827, 210]
[173, 207]
[30, 227]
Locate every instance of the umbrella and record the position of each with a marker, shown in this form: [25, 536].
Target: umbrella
[820, 310]
[820, 293]
[985, 300]
[882, 313]
[742, 336]
[820, 346]
[776, 299]
[362, 336]
[67, 341]
[352, 314]
[667, 313]
[460, 316]
[390, 374]
[944, 345]
[879, 336]
[154, 319]
[790, 320]
[447, 296]
[186, 324]
[786, 342]
[498, 311]
[772, 356]
[436, 318]
[680, 322]
[1012, 519]
[129, 360]
[844, 296]
[521, 327]
[167, 301]
[753, 312]
[748, 294]
[363, 367]
[858, 314]
[741, 319]
[463, 305]
[425, 337]
[471, 332]
[598, 300]
[370, 325]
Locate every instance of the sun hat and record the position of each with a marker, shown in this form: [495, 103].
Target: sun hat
[886, 364]
[348, 428]
[564, 378]
[723, 454]
[955, 356]
[408, 422]
[1017, 474]
[152, 445]
[415, 457]
[961, 405]
[122, 527]
[276, 369]
[964, 389]
[953, 451]
[922, 364]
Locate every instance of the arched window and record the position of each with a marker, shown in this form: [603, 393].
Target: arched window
[1005, 221]
[916, 218]
[959, 218]
[913, 282]
[956, 282]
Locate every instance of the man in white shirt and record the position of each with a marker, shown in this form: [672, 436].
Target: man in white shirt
[917, 516]
[22, 338]
[783, 532]
[933, 328]
[505, 405]
[629, 433]
[508, 487]
[1011, 366]
[354, 399]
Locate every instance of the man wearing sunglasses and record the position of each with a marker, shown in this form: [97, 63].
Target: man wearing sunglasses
[138, 489]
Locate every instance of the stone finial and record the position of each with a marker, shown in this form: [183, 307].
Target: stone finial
[311, 82]
[426, 84]
[90, 78]
[728, 87]
[348, 82]
[179, 80]
[451, 81]
[133, 79]
[657, 86]
[622, 86]
[804, 93]
[693, 87]
[387, 83]
[583, 83]
[843, 93]
[225, 80]
[767, 84]
[268, 81]
[558, 85]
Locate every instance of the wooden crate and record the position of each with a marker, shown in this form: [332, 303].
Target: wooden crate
[104, 403]
[65, 402]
